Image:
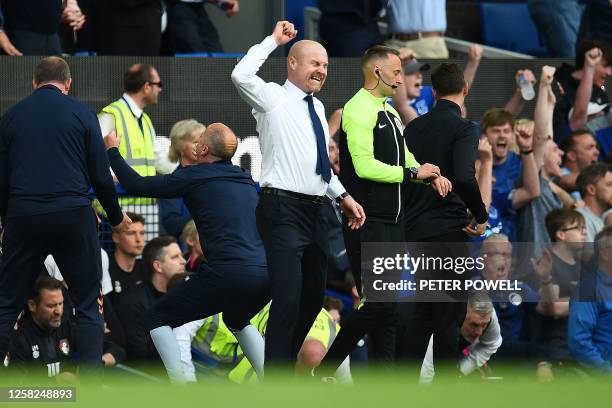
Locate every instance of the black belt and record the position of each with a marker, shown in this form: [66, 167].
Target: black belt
[290, 194]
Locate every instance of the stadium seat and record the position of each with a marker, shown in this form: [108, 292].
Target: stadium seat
[227, 54]
[509, 26]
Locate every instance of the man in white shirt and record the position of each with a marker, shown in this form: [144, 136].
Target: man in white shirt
[480, 329]
[296, 174]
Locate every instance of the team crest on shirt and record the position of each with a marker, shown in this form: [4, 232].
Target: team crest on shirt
[64, 346]
[35, 351]
[399, 124]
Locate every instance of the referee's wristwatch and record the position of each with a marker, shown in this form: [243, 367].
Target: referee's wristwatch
[341, 197]
[410, 173]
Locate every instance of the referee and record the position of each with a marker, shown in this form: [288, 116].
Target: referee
[296, 174]
[51, 152]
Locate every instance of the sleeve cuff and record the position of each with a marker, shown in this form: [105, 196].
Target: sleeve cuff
[268, 44]
[335, 188]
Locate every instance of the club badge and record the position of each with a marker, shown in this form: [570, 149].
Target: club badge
[64, 347]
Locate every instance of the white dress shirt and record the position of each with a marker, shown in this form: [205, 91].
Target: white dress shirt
[286, 135]
[479, 352]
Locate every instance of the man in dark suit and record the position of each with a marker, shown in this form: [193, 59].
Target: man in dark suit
[51, 152]
[431, 218]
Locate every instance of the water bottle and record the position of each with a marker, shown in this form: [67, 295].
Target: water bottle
[527, 91]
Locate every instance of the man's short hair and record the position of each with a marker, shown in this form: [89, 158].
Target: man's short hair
[447, 79]
[377, 52]
[560, 217]
[135, 217]
[135, 77]
[330, 303]
[603, 239]
[44, 282]
[52, 69]
[480, 302]
[589, 43]
[216, 142]
[177, 279]
[591, 175]
[154, 251]
[496, 117]
[569, 143]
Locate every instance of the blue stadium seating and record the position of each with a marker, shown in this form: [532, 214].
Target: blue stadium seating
[509, 26]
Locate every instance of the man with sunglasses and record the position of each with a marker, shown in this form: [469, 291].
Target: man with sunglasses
[126, 116]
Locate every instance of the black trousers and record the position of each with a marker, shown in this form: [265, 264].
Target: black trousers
[442, 319]
[239, 291]
[295, 236]
[377, 319]
[192, 30]
[31, 43]
[71, 237]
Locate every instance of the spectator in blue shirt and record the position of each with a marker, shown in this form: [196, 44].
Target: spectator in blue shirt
[510, 190]
[590, 322]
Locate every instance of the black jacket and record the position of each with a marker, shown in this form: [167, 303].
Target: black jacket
[32, 350]
[442, 137]
[131, 312]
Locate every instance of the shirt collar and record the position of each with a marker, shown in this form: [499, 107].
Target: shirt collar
[446, 104]
[375, 99]
[50, 86]
[294, 91]
[132, 105]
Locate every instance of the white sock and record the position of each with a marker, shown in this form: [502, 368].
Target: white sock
[253, 346]
[168, 349]
[343, 373]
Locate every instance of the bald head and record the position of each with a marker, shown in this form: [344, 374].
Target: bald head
[220, 141]
[304, 47]
[307, 65]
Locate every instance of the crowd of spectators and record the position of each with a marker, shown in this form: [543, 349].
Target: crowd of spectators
[126, 27]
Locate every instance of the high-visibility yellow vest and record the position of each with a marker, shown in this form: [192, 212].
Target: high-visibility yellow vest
[324, 329]
[215, 340]
[136, 145]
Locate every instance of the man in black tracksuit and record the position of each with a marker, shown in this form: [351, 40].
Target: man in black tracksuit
[43, 343]
[442, 137]
[375, 165]
[51, 153]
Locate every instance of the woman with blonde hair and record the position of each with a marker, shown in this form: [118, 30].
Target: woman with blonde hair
[184, 136]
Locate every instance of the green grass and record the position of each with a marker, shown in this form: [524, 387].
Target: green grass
[518, 389]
